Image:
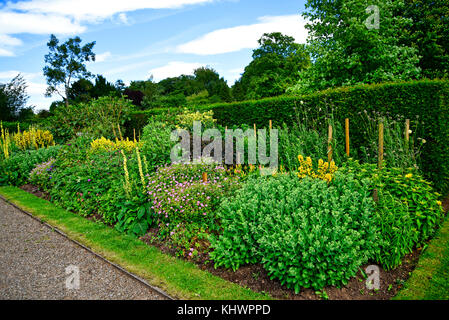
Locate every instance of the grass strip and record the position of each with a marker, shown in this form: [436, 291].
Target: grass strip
[180, 279]
[429, 281]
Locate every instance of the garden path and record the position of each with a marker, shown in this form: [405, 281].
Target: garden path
[34, 261]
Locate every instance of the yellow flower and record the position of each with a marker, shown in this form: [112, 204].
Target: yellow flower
[408, 176]
[439, 202]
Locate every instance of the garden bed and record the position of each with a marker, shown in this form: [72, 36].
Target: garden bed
[256, 278]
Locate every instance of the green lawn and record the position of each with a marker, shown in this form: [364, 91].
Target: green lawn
[430, 279]
[180, 279]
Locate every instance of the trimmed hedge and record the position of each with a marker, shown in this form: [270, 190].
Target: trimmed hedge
[426, 100]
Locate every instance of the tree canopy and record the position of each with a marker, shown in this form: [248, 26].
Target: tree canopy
[65, 64]
[13, 99]
[275, 67]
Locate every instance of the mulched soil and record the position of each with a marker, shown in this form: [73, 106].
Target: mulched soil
[257, 279]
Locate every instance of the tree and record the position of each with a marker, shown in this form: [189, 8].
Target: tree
[209, 79]
[429, 33]
[65, 64]
[275, 67]
[13, 98]
[348, 46]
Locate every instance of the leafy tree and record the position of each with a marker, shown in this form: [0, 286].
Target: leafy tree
[429, 33]
[210, 80]
[347, 51]
[103, 88]
[275, 67]
[13, 98]
[65, 64]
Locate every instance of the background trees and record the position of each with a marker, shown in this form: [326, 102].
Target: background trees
[65, 64]
[13, 99]
[275, 67]
[346, 51]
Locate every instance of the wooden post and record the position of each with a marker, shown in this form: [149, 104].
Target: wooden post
[134, 130]
[255, 131]
[204, 176]
[329, 142]
[271, 124]
[407, 133]
[381, 144]
[347, 135]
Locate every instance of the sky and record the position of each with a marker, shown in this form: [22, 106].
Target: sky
[137, 39]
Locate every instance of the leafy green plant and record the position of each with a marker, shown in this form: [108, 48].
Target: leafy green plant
[16, 169]
[41, 175]
[306, 233]
[408, 210]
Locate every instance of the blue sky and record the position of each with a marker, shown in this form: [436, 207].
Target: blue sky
[139, 38]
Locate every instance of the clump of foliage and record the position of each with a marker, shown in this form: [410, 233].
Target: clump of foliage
[185, 205]
[101, 117]
[5, 142]
[186, 118]
[325, 170]
[106, 145]
[408, 211]
[156, 143]
[305, 232]
[33, 138]
[42, 174]
[16, 169]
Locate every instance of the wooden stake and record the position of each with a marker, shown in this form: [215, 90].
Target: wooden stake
[347, 135]
[329, 142]
[120, 132]
[271, 125]
[255, 131]
[134, 130]
[381, 144]
[407, 133]
[204, 176]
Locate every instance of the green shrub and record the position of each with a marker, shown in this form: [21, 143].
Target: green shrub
[41, 175]
[156, 143]
[185, 205]
[100, 117]
[16, 169]
[408, 211]
[305, 232]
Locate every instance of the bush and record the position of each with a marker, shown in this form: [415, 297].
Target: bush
[408, 211]
[41, 175]
[305, 232]
[156, 143]
[16, 169]
[185, 205]
[33, 139]
[99, 118]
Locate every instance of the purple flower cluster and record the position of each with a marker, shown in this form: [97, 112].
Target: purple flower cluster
[45, 167]
[177, 193]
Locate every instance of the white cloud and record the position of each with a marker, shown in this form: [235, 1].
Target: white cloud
[123, 18]
[6, 53]
[6, 42]
[174, 69]
[246, 36]
[9, 41]
[95, 10]
[102, 56]
[15, 22]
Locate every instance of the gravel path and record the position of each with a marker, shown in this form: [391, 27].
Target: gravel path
[33, 262]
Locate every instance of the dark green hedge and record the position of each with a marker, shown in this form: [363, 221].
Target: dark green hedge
[427, 99]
